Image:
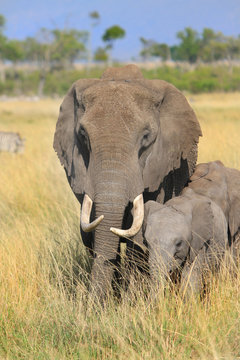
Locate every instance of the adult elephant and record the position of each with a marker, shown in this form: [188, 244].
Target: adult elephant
[123, 140]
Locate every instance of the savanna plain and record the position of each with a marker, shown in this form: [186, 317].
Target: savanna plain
[44, 271]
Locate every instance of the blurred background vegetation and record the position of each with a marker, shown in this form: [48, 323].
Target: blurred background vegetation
[44, 272]
[49, 62]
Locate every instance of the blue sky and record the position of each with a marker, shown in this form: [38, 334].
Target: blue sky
[153, 19]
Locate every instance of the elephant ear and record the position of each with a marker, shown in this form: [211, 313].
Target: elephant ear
[70, 151]
[200, 171]
[214, 169]
[202, 226]
[176, 144]
[233, 184]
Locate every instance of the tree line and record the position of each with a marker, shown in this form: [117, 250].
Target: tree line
[52, 53]
[194, 47]
[60, 48]
[56, 49]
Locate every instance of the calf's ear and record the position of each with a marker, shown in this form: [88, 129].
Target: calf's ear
[200, 171]
[202, 227]
[233, 186]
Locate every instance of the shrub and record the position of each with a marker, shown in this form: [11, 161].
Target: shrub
[202, 79]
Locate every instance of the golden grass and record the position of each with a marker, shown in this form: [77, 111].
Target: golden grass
[43, 269]
[219, 116]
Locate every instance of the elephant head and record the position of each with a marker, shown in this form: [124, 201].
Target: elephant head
[119, 138]
[178, 231]
[222, 185]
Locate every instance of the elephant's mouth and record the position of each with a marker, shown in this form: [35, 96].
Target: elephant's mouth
[138, 215]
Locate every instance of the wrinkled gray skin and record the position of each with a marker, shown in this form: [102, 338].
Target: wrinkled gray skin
[189, 233]
[118, 137]
[222, 185]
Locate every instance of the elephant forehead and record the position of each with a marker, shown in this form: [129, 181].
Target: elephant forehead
[165, 237]
[167, 222]
[117, 105]
[119, 94]
[214, 184]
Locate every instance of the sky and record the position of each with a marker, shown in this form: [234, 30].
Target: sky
[158, 20]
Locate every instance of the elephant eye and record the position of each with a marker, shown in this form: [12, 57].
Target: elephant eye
[82, 131]
[158, 103]
[82, 106]
[179, 243]
[83, 137]
[145, 139]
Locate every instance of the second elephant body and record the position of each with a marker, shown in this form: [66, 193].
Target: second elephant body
[188, 232]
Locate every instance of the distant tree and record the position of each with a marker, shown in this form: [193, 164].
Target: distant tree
[101, 54]
[153, 49]
[95, 19]
[3, 41]
[210, 43]
[208, 35]
[2, 23]
[162, 51]
[55, 49]
[14, 51]
[110, 36]
[95, 16]
[147, 45]
[219, 50]
[42, 49]
[67, 46]
[33, 51]
[189, 46]
[208, 47]
[233, 47]
[174, 52]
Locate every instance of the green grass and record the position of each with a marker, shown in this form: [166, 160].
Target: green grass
[44, 313]
[201, 79]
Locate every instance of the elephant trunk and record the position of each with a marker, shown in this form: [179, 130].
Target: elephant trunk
[106, 244]
[112, 196]
[161, 264]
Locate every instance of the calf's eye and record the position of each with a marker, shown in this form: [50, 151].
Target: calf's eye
[179, 243]
[145, 138]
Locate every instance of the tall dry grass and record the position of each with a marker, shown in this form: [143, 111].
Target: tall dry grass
[44, 271]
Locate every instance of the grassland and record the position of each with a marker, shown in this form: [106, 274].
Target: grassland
[42, 286]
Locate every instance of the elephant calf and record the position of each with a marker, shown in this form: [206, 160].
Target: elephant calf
[188, 232]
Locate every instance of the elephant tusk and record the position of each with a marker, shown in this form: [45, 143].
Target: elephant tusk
[85, 215]
[138, 215]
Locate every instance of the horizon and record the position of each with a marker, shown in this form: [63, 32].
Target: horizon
[166, 17]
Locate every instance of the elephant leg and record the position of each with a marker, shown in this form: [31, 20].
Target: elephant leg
[235, 248]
